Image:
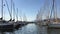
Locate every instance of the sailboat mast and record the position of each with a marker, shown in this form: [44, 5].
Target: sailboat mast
[2, 10]
[11, 9]
[24, 17]
[17, 14]
[53, 8]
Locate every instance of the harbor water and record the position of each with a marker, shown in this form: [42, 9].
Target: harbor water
[27, 29]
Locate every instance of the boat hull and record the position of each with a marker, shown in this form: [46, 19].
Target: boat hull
[6, 27]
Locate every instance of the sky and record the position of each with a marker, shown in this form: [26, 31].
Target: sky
[29, 8]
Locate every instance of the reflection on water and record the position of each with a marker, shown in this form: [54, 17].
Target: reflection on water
[28, 29]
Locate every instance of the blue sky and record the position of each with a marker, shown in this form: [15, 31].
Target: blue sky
[28, 7]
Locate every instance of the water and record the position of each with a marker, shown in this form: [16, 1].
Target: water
[28, 29]
[34, 29]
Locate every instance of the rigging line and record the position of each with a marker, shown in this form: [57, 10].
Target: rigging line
[8, 9]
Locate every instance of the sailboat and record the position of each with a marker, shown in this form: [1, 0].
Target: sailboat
[10, 25]
[6, 25]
